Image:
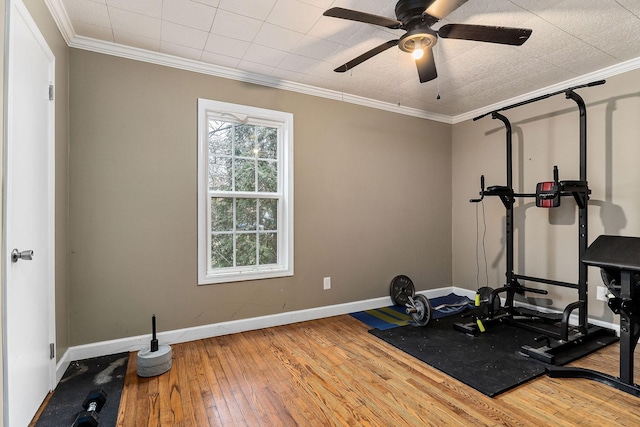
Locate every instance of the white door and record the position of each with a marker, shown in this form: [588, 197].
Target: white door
[29, 215]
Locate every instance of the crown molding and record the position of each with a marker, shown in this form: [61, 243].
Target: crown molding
[61, 19]
[166, 60]
[108, 48]
[614, 70]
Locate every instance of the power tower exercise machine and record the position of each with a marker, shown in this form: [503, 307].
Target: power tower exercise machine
[557, 336]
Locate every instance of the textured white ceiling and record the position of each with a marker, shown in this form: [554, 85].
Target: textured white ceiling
[290, 41]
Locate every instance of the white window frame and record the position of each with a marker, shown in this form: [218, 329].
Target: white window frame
[241, 113]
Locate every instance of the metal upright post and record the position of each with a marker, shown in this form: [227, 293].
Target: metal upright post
[583, 212]
[628, 336]
[509, 206]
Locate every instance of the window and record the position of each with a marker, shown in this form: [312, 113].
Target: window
[245, 193]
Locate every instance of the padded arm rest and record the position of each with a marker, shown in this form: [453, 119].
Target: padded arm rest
[574, 185]
[617, 252]
[496, 190]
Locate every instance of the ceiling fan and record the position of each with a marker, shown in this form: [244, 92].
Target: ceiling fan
[417, 17]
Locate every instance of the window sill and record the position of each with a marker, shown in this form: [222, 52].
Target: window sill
[241, 276]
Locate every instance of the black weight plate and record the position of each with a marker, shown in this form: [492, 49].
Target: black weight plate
[401, 289]
[485, 296]
[423, 314]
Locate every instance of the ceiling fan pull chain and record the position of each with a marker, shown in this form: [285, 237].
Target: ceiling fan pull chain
[438, 80]
[398, 78]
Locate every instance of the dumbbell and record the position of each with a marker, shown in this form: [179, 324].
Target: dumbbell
[92, 404]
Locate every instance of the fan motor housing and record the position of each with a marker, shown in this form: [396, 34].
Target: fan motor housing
[419, 37]
[407, 10]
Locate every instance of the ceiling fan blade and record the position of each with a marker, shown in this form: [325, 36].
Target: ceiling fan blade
[426, 66]
[367, 55]
[441, 8]
[485, 33]
[354, 15]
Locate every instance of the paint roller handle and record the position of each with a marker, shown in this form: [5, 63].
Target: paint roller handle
[154, 341]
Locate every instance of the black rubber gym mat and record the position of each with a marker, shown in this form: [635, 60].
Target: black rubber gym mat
[490, 363]
[81, 377]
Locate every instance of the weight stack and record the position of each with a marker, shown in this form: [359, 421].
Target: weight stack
[153, 363]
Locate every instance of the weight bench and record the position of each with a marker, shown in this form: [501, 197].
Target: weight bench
[619, 260]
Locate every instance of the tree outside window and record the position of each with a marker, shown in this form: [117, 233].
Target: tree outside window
[248, 194]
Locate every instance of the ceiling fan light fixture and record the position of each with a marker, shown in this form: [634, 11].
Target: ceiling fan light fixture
[417, 51]
[419, 38]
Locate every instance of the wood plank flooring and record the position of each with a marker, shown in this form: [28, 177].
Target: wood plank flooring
[331, 372]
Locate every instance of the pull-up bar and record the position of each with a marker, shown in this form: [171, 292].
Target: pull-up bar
[566, 337]
[519, 104]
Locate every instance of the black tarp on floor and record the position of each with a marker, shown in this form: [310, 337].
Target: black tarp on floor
[106, 372]
[490, 362]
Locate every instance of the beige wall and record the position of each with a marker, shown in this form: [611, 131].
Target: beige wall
[47, 26]
[372, 200]
[546, 134]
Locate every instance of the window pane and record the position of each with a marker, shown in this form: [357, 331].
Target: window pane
[245, 175]
[246, 211]
[244, 170]
[267, 176]
[268, 248]
[268, 215]
[245, 141]
[220, 173]
[267, 143]
[220, 137]
[246, 249]
[221, 214]
[221, 250]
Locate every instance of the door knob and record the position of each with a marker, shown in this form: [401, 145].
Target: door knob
[17, 255]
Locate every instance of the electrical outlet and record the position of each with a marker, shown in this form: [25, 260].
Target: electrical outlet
[601, 294]
[326, 283]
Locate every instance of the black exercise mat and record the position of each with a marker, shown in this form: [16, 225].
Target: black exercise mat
[106, 372]
[490, 362]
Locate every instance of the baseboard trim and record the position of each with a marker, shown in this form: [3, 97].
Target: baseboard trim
[136, 343]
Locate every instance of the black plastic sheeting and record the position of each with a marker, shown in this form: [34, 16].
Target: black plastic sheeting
[490, 362]
[81, 377]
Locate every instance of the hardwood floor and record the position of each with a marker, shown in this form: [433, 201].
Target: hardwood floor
[332, 372]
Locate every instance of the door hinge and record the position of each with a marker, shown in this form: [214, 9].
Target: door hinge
[50, 92]
[52, 351]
